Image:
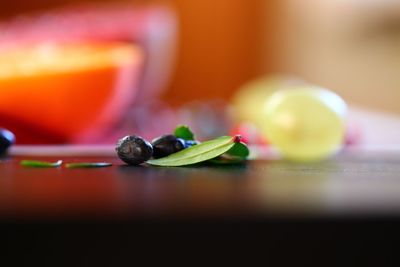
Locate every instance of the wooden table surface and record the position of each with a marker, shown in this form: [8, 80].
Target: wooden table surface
[299, 213]
[350, 184]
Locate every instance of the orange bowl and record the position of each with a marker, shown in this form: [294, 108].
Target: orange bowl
[68, 92]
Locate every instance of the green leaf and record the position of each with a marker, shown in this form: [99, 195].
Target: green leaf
[239, 150]
[87, 165]
[184, 132]
[238, 153]
[198, 153]
[40, 164]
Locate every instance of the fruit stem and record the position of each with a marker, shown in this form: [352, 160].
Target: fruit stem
[237, 138]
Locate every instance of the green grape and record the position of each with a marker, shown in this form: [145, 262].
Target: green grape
[248, 100]
[305, 123]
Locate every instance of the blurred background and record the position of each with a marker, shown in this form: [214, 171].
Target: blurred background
[92, 71]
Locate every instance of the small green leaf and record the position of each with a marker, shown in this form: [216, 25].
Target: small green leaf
[40, 164]
[87, 165]
[238, 153]
[239, 150]
[198, 153]
[184, 132]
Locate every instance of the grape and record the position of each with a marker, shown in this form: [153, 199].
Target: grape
[248, 100]
[305, 122]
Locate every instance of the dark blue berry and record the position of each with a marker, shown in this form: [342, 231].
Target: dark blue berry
[134, 150]
[166, 145]
[7, 139]
[189, 143]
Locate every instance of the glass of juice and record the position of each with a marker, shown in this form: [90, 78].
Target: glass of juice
[58, 93]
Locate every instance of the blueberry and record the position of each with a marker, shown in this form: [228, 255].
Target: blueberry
[189, 143]
[7, 139]
[166, 145]
[134, 149]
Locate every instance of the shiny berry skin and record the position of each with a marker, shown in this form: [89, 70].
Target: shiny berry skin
[166, 145]
[7, 139]
[134, 150]
[189, 143]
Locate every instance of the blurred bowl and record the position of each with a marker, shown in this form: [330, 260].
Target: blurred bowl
[66, 93]
[82, 104]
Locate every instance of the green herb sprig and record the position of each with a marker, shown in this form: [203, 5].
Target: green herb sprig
[40, 164]
[58, 163]
[77, 165]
